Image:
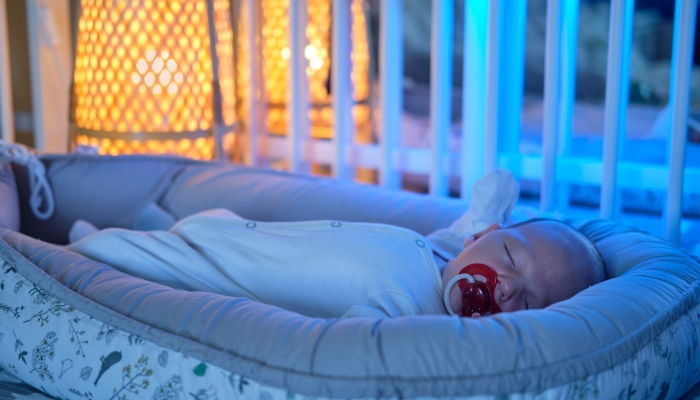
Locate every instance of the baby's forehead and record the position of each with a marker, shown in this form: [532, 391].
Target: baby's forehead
[551, 250]
[545, 233]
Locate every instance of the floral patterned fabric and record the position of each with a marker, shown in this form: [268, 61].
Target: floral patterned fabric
[67, 354]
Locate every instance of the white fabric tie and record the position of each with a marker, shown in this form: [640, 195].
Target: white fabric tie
[21, 155]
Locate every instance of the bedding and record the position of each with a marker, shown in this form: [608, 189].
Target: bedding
[635, 335]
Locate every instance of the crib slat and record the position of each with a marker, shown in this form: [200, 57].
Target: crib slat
[217, 109]
[491, 126]
[683, 42]
[391, 76]
[473, 95]
[7, 129]
[298, 103]
[552, 92]
[616, 99]
[513, 22]
[253, 20]
[569, 46]
[342, 86]
[440, 91]
[35, 75]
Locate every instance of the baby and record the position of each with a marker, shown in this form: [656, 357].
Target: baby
[338, 269]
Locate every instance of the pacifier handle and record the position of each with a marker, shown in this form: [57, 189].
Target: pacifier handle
[455, 279]
[471, 290]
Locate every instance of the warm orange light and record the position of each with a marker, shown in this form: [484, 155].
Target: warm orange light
[143, 76]
[275, 58]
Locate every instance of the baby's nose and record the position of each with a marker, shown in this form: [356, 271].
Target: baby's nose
[505, 295]
[500, 294]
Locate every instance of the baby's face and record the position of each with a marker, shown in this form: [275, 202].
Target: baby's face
[534, 263]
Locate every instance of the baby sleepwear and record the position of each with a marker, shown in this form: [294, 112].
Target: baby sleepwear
[316, 268]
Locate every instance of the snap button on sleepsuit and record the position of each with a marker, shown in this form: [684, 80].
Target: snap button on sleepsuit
[335, 224]
[420, 243]
[250, 224]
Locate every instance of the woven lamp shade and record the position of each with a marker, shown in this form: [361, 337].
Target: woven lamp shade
[275, 55]
[146, 79]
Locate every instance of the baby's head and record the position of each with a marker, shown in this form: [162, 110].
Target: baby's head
[539, 262]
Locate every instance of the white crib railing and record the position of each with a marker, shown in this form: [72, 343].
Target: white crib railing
[683, 43]
[552, 92]
[493, 56]
[494, 34]
[342, 101]
[616, 99]
[486, 142]
[440, 93]
[7, 129]
[391, 103]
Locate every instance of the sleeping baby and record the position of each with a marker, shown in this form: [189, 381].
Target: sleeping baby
[333, 269]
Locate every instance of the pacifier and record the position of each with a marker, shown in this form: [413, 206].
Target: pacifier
[477, 297]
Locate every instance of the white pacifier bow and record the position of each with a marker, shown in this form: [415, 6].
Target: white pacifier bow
[448, 289]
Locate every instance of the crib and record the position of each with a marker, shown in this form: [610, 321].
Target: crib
[634, 336]
[493, 49]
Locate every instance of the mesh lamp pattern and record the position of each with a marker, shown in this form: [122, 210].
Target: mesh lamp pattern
[145, 80]
[275, 54]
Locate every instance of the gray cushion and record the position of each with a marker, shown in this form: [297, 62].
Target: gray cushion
[105, 191]
[114, 191]
[9, 203]
[265, 195]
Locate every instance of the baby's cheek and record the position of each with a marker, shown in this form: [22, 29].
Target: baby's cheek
[456, 300]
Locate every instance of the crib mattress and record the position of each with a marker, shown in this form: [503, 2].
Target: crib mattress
[645, 142]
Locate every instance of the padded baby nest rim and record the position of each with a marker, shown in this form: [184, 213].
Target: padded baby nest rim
[35, 275]
[112, 191]
[315, 383]
[176, 161]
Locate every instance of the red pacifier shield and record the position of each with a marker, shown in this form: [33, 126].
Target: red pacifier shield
[478, 297]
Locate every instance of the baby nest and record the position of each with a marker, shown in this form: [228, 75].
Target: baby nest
[75, 328]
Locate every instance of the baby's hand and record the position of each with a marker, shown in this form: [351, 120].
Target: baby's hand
[476, 315]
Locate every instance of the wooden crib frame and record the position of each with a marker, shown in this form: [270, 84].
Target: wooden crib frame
[494, 33]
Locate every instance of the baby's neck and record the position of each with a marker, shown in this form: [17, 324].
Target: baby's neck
[440, 262]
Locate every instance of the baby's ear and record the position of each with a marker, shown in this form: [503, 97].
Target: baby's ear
[493, 227]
